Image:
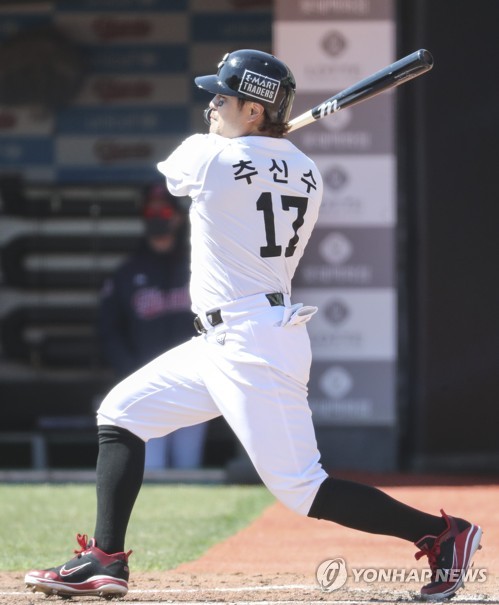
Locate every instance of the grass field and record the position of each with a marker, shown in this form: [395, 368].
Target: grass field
[273, 560]
[172, 524]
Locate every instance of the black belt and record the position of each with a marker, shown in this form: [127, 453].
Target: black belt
[276, 299]
[214, 319]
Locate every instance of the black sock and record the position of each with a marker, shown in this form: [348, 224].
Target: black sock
[369, 509]
[120, 471]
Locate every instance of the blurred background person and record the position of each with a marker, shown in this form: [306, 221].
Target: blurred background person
[145, 309]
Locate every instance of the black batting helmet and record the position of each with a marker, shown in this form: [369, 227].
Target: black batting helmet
[253, 75]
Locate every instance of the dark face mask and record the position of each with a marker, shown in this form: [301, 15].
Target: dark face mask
[157, 226]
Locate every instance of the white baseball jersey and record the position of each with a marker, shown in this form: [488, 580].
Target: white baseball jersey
[248, 236]
[255, 201]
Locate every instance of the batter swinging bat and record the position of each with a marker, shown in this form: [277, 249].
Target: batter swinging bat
[393, 75]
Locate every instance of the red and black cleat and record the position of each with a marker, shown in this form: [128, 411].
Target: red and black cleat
[449, 556]
[91, 573]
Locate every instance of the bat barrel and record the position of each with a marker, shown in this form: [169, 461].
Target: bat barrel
[389, 77]
[410, 66]
[426, 57]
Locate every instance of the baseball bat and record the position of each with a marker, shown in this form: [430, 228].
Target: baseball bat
[403, 70]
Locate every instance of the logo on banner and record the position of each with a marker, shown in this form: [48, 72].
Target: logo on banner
[336, 311]
[7, 120]
[107, 28]
[334, 43]
[109, 151]
[258, 86]
[340, 121]
[114, 89]
[336, 178]
[335, 248]
[336, 382]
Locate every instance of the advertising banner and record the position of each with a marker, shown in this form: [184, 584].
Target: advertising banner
[349, 268]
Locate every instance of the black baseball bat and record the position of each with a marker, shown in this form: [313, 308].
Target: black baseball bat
[403, 70]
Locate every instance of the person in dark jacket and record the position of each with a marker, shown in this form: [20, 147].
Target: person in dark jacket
[145, 309]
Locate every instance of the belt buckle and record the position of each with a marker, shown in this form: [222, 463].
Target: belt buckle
[198, 324]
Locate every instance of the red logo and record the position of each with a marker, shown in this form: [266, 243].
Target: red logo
[113, 151]
[113, 89]
[110, 29]
[7, 120]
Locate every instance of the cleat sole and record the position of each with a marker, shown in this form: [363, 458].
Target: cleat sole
[108, 594]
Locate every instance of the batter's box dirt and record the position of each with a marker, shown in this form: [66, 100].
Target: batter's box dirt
[183, 588]
[275, 559]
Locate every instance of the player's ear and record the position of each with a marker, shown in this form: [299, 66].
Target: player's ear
[255, 112]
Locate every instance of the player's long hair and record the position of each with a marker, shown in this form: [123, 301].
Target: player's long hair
[275, 130]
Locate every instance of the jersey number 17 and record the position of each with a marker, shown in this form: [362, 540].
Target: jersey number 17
[264, 203]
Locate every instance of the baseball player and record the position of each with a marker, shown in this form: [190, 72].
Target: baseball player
[145, 309]
[255, 201]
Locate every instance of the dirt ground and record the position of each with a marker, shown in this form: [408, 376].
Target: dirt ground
[275, 559]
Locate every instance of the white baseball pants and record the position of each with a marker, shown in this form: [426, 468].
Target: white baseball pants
[254, 372]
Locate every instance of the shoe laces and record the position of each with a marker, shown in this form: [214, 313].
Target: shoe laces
[432, 554]
[82, 540]
[84, 543]
[433, 551]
